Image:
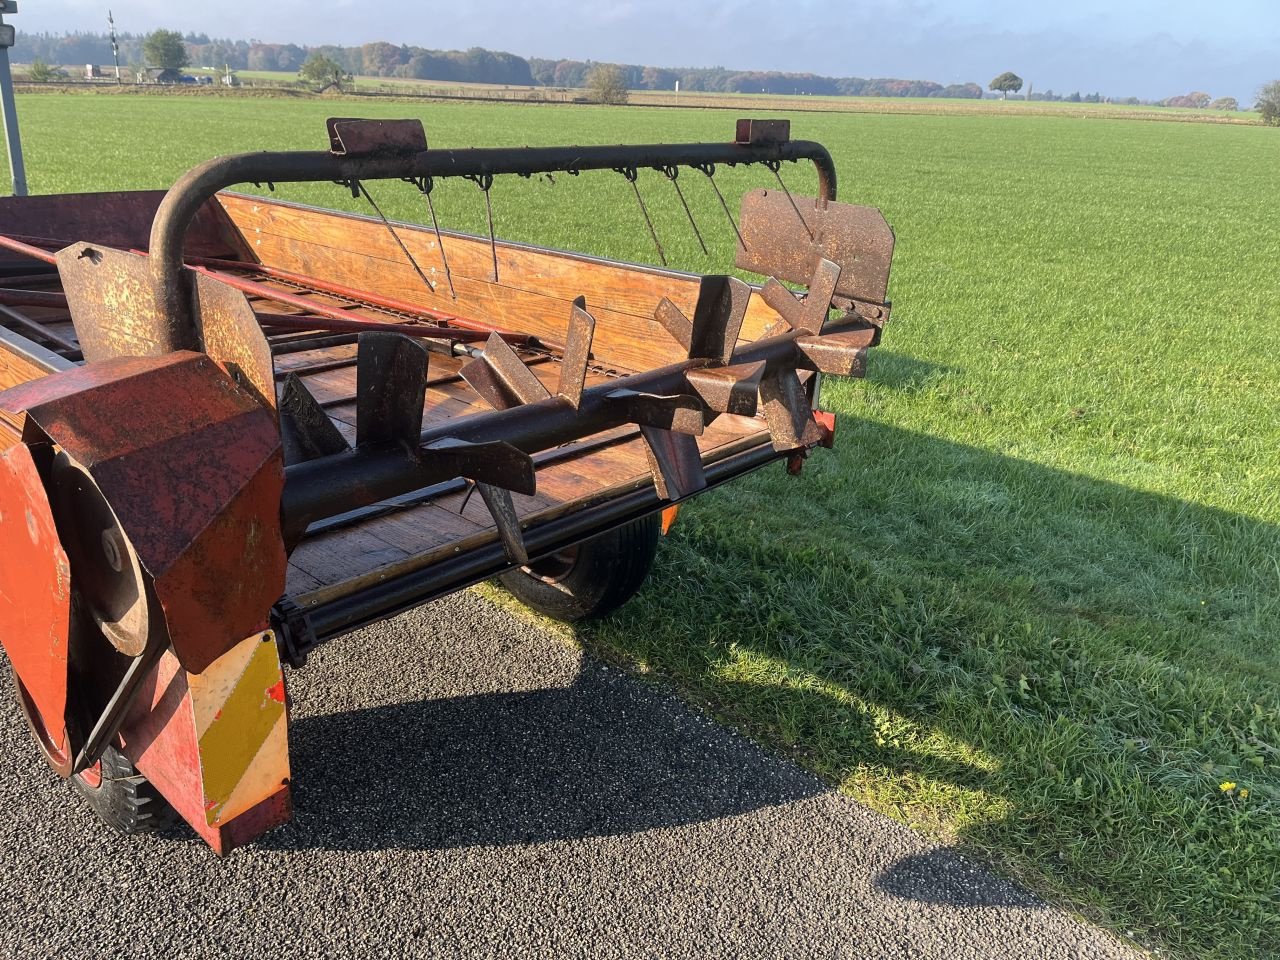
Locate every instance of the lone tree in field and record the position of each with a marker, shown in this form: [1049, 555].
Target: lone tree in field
[165, 51]
[1007, 83]
[321, 71]
[606, 84]
[1268, 103]
[40, 72]
[1225, 103]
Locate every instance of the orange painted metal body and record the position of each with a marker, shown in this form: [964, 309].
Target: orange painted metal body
[35, 601]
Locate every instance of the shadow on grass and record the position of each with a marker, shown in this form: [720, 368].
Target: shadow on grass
[1055, 669]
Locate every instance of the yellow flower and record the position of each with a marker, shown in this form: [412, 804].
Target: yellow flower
[1243, 793]
[1227, 786]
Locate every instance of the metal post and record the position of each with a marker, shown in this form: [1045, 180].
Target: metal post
[9, 109]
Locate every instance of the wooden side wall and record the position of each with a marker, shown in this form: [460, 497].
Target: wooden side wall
[533, 294]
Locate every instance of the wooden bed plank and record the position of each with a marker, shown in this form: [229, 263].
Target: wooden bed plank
[534, 291]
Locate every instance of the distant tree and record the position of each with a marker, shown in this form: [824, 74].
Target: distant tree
[605, 84]
[1225, 103]
[1199, 100]
[1007, 83]
[165, 50]
[1073, 97]
[1268, 103]
[320, 71]
[40, 72]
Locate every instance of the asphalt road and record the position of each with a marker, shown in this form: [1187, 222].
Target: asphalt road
[466, 785]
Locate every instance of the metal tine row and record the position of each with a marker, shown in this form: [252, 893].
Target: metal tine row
[391, 383]
[392, 379]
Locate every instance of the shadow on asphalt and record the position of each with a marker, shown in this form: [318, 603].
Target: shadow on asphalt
[944, 876]
[601, 757]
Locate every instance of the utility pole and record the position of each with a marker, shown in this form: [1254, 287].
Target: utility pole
[8, 108]
[115, 47]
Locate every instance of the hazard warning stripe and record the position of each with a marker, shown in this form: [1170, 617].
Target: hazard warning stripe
[239, 708]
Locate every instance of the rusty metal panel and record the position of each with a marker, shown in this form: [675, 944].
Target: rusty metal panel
[809, 314]
[35, 601]
[231, 335]
[756, 132]
[858, 239]
[351, 137]
[787, 410]
[675, 463]
[577, 352]
[192, 467]
[391, 384]
[114, 219]
[839, 354]
[113, 305]
[729, 389]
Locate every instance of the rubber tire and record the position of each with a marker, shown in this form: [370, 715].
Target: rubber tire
[125, 799]
[606, 573]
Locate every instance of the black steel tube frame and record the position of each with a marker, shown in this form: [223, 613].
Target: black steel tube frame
[179, 208]
[366, 603]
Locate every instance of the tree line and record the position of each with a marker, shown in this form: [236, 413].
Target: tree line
[476, 65]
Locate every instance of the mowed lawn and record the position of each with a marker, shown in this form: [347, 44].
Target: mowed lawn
[1031, 602]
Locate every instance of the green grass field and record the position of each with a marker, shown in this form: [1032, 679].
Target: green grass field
[1031, 602]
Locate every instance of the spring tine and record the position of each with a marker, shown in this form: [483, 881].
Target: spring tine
[498, 464]
[501, 377]
[394, 236]
[675, 461]
[435, 224]
[632, 175]
[503, 510]
[787, 410]
[577, 353]
[305, 429]
[493, 243]
[672, 172]
[775, 166]
[710, 171]
[809, 314]
[391, 386]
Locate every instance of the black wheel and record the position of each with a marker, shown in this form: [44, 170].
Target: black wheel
[121, 796]
[592, 578]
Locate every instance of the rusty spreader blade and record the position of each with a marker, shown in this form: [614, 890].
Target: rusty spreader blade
[777, 244]
[497, 464]
[733, 389]
[305, 429]
[391, 386]
[841, 354]
[809, 314]
[787, 410]
[675, 462]
[717, 318]
[577, 352]
[502, 378]
[679, 412]
[503, 510]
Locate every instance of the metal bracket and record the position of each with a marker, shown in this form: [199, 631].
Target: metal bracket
[295, 637]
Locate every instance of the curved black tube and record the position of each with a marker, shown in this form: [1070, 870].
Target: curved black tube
[198, 185]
